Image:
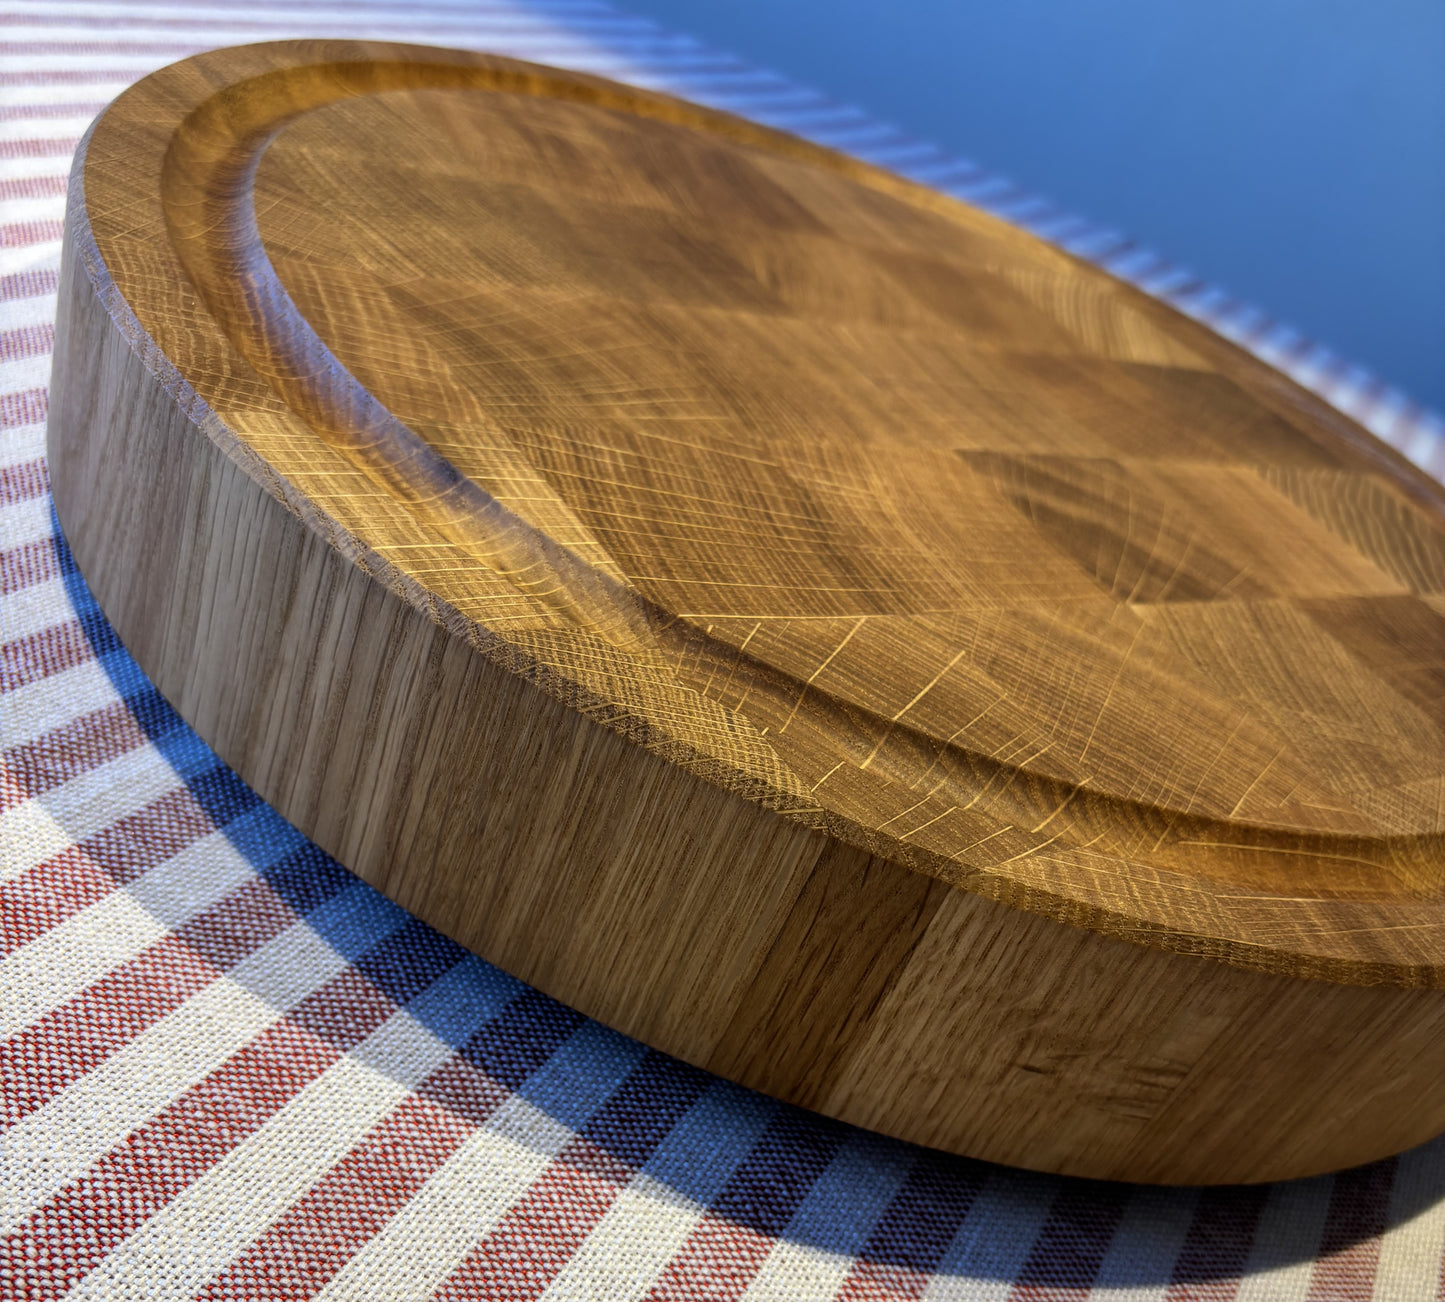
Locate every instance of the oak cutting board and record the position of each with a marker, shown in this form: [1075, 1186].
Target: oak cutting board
[781, 611]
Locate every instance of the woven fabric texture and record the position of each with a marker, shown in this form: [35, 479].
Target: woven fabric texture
[228, 1069]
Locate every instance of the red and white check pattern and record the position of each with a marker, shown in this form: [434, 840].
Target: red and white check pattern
[230, 1070]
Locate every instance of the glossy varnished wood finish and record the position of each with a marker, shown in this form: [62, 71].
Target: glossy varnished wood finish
[787, 614]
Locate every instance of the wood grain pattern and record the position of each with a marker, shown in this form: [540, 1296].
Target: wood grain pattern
[777, 609]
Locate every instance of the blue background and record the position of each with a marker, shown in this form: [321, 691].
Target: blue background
[1292, 151]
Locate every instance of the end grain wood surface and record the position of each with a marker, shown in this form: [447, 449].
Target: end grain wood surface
[789, 615]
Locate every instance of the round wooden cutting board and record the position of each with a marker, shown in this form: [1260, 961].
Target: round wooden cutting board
[783, 612]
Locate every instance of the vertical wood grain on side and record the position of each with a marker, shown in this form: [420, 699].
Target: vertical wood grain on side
[670, 908]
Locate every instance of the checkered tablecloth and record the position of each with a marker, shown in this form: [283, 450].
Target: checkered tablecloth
[228, 1069]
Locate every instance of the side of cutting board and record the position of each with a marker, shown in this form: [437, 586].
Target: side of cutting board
[569, 840]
